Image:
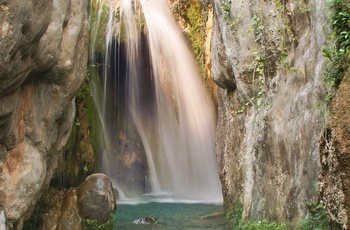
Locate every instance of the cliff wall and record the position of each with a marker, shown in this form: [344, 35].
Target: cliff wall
[43, 48]
[267, 61]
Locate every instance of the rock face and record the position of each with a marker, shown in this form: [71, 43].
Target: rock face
[43, 46]
[335, 158]
[267, 61]
[93, 199]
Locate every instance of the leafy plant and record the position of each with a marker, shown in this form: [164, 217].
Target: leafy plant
[94, 225]
[234, 221]
[317, 218]
[338, 53]
[226, 7]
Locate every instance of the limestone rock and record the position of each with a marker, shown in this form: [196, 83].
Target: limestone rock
[43, 45]
[2, 219]
[93, 199]
[70, 217]
[24, 172]
[271, 79]
[335, 158]
[96, 198]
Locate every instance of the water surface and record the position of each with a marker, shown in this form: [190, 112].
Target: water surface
[172, 214]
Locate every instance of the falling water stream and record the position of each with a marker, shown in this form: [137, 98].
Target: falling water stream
[163, 97]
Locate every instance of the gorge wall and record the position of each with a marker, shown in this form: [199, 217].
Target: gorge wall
[266, 58]
[267, 61]
[43, 47]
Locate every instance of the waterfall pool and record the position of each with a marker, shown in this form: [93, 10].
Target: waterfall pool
[171, 214]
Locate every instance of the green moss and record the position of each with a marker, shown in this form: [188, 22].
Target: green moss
[195, 14]
[98, 21]
[79, 157]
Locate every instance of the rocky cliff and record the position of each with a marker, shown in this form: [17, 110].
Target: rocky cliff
[43, 47]
[267, 60]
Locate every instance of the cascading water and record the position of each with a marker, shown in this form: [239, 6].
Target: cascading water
[165, 99]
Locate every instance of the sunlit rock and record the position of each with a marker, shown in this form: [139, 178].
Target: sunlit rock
[24, 172]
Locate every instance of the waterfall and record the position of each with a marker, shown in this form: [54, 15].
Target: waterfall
[164, 98]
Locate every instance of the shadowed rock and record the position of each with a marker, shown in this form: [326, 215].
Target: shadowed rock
[96, 199]
[93, 199]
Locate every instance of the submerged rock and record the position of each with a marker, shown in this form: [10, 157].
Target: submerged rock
[214, 215]
[146, 220]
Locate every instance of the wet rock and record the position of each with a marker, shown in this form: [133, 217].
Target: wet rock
[146, 220]
[96, 199]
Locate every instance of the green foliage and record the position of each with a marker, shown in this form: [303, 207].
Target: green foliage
[234, 216]
[259, 64]
[337, 55]
[317, 218]
[231, 20]
[195, 14]
[257, 28]
[79, 157]
[86, 168]
[77, 123]
[94, 225]
[262, 225]
[302, 6]
[234, 221]
[226, 7]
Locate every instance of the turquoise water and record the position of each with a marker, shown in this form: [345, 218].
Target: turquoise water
[171, 215]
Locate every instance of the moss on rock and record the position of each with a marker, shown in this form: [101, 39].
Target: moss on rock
[79, 158]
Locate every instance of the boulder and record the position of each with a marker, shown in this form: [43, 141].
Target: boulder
[93, 199]
[96, 199]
